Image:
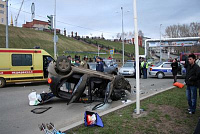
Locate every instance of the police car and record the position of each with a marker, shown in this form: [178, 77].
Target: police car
[163, 69]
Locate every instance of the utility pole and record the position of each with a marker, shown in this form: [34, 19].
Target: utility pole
[6, 23]
[160, 45]
[136, 59]
[122, 35]
[55, 47]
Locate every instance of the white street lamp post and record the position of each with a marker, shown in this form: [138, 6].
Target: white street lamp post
[6, 23]
[160, 45]
[122, 36]
[55, 47]
[136, 60]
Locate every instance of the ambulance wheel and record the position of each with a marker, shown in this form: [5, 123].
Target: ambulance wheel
[63, 65]
[2, 82]
[160, 75]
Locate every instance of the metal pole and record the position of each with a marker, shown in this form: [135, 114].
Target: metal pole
[6, 23]
[55, 51]
[160, 45]
[137, 60]
[122, 35]
[98, 50]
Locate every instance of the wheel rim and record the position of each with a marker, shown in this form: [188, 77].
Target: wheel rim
[160, 75]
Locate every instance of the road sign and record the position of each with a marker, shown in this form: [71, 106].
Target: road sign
[112, 51]
[56, 38]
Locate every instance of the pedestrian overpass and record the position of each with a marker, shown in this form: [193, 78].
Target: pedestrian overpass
[171, 42]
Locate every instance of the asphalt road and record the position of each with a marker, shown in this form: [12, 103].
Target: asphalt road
[17, 118]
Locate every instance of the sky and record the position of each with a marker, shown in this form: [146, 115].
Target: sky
[97, 17]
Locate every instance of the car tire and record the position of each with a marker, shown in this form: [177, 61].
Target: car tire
[63, 65]
[119, 82]
[2, 82]
[160, 75]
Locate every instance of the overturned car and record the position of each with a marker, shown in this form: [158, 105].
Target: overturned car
[99, 85]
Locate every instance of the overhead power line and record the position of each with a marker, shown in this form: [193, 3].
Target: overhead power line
[67, 23]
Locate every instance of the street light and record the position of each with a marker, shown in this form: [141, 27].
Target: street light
[136, 59]
[122, 35]
[55, 47]
[160, 44]
[6, 23]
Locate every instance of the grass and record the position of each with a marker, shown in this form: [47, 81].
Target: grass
[117, 45]
[28, 38]
[166, 113]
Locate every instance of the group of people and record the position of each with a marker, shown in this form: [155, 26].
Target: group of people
[78, 63]
[143, 67]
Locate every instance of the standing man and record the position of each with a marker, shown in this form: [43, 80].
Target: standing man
[192, 72]
[99, 65]
[174, 66]
[144, 66]
[84, 63]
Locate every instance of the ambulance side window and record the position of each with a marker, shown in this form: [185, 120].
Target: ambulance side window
[21, 60]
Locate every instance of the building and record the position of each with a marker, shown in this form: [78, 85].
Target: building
[39, 25]
[36, 24]
[139, 41]
[2, 12]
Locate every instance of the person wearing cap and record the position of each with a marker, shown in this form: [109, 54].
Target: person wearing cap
[99, 65]
[84, 63]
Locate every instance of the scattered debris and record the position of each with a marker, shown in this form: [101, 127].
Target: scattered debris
[92, 119]
[40, 110]
[36, 99]
[49, 129]
[126, 101]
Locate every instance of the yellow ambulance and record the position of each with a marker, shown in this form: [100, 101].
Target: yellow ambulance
[23, 65]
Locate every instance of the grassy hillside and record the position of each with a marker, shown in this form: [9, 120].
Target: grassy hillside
[28, 38]
[117, 45]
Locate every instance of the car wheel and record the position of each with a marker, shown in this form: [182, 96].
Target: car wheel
[119, 82]
[2, 82]
[63, 65]
[160, 75]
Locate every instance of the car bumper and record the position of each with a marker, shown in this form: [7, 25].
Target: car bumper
[127, 74]
[152, 73]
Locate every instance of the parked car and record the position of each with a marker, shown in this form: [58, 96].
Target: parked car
[127, 69]
[163, 69]
[110, 69]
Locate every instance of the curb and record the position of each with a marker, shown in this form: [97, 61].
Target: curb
[113, 109]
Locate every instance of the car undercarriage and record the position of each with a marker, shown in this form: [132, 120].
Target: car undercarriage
[87, 84]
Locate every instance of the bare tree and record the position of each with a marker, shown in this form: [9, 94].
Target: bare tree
[184, 30]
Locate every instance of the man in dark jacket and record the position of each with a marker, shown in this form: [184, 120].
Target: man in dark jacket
[99, 65]
[192, 73]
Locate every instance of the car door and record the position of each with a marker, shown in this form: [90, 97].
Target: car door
[167, 69]
[22, 67]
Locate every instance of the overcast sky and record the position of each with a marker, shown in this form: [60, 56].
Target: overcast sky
[94, 17]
